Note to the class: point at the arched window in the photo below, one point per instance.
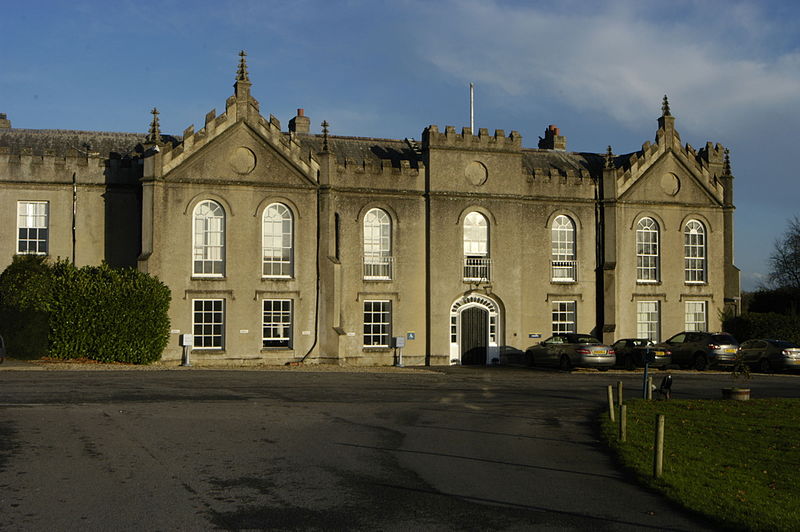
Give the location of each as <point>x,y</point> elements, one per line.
<point>694,252</point>
<point>277,241</point>
<point>477,264</point>
<point>563,263</point>
<point>208,242</point>
<point>647,258</point>
<point>377,245</point>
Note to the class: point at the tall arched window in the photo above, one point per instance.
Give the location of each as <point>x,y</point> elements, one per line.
<point>563,263</point>
<point>277,241</point>
<point>647,258</point>
<point>377,245</point>
<point>208,241</point>
<point>477,264</point>
<point>694,252</point>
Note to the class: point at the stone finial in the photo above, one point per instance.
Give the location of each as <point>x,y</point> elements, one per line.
<point>726,165</point>
<point>609,158</point>
<point>665,107</point>
<point>154,136</point>
<point>325,135</point>
<point>241,72</point>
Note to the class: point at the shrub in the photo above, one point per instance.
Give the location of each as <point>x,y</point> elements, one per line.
<point>763,325</point>
<point>96,312</point>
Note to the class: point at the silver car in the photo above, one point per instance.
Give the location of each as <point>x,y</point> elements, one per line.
<point>568,350</point>
<point>770,355</point>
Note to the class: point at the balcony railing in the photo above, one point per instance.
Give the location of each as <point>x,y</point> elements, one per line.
<point>477,269</point>
<point>378,268</point>
<point>563,271</point>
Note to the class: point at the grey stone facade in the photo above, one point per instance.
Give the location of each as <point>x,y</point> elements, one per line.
<point>283,245</point>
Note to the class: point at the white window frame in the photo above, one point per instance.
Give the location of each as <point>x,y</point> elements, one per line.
<point>647,251</point>
<point>378,260</point>
<point>276,323</point>
<point>277,242</point>
<point>564,317</point>
<point>648,320</point>
<point>208,324</point>
<point>694,252</point>
<point>208,239</point>
<point>33,227</point>
<point>696,316</point>
<point>477,262</point>
<point>563,256</point>
<point>377,323</point>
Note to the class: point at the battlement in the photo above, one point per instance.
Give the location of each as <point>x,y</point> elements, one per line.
<point>379,167</point>
<point>73,158</point>
<point>565,175</point>
<point>433,138</point>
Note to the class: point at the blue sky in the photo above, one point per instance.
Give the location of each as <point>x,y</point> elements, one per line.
<point>388,69</point>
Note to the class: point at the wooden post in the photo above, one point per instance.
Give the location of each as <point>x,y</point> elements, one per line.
<point>650,388</point>
<point>623,423</point>
<point>619,393</point>
<point>658,459</point>
<point>611,403</point>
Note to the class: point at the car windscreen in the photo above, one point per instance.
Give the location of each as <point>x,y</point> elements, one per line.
<point>724,339</point>
<point>587,340</point>
<point>782,344</point>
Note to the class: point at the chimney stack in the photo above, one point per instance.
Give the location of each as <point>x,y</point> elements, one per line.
<point>300,123</point>
<point>5,123</point>
<point>553,139</point>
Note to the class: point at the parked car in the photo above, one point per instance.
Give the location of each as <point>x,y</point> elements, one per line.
<point>568,350</point>
<point>770,355</point>
<point>702,350</point>
<point>631,353</point>
<point>2,349</point>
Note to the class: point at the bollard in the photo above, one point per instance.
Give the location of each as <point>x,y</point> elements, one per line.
<point>611,403</point>
<point>658,458</point>
<point>649,388</point>
<point>619,393</point>
<point>185,358</point>
<point>623,423</point>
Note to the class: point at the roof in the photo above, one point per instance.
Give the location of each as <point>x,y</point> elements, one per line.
<point>62,141</point>
<point>363,149</point>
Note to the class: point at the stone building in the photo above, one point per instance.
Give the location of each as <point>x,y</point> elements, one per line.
<point>284,245</point>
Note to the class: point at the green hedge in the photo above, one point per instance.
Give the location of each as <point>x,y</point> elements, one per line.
<point>95,312</point>
<point>764,325</point>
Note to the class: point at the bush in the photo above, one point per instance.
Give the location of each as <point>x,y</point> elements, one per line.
<point>95,312</point>
<point>763,325</point>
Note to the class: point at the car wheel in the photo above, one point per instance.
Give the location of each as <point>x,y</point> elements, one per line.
<point>629,364</point>
<point>764,366</point>
<point>700,362</point>
<point>564,364</point>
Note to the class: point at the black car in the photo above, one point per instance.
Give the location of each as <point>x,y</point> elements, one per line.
<point>631,353</point>
<point>770,355</point>
<point>702,350</point>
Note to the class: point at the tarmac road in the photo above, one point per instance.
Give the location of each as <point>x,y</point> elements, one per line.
<point>199,449</point>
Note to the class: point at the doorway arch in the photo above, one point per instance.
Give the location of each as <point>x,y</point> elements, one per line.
<point>474,329</point>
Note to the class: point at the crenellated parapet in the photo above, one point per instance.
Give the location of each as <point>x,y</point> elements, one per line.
<point>380,167</point>
<point>433,138</point>
<point>573,176</point>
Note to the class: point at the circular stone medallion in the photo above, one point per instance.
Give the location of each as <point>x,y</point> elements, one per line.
<point>476,173</point>
<point>670,184</point>
<point>242,160</point>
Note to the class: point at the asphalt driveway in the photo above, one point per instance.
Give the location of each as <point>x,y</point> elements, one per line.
<point>446,449</point>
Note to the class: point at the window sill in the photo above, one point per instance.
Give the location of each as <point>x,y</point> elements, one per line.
<point>277,278</point>
<point>208,278</point>
<point>563,281</point>
<point>277,349</point>
<point>207,351</point>
<point>646,283</point>
<point>377,349</point>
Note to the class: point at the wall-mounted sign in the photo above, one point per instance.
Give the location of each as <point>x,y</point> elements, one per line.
<point>411,335</point>
<point>534,335</point>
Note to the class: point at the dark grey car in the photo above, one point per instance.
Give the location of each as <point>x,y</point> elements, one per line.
<point>631,353</point>
<point>770,355</point>
<point>568,350</point>
<point>702,350</point>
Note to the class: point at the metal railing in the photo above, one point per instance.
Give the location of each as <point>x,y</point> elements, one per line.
<point>563,271</point>
<point>378,268</point>
<point>477,269</point>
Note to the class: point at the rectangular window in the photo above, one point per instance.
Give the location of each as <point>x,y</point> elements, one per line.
<point>696,316</point>
<point>208,323</point>
<point>277,323</point>
<point>377,323</point>
<point>564,317</point>
<point>32,227</point>
<point>648,320</point>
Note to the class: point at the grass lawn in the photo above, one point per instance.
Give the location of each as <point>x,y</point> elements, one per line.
<point>737,462</point>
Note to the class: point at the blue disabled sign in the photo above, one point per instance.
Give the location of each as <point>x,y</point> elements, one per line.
<point>534,335</point>
<point>411,335</point>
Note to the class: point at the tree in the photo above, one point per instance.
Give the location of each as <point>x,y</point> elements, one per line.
<point>785,259</point>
